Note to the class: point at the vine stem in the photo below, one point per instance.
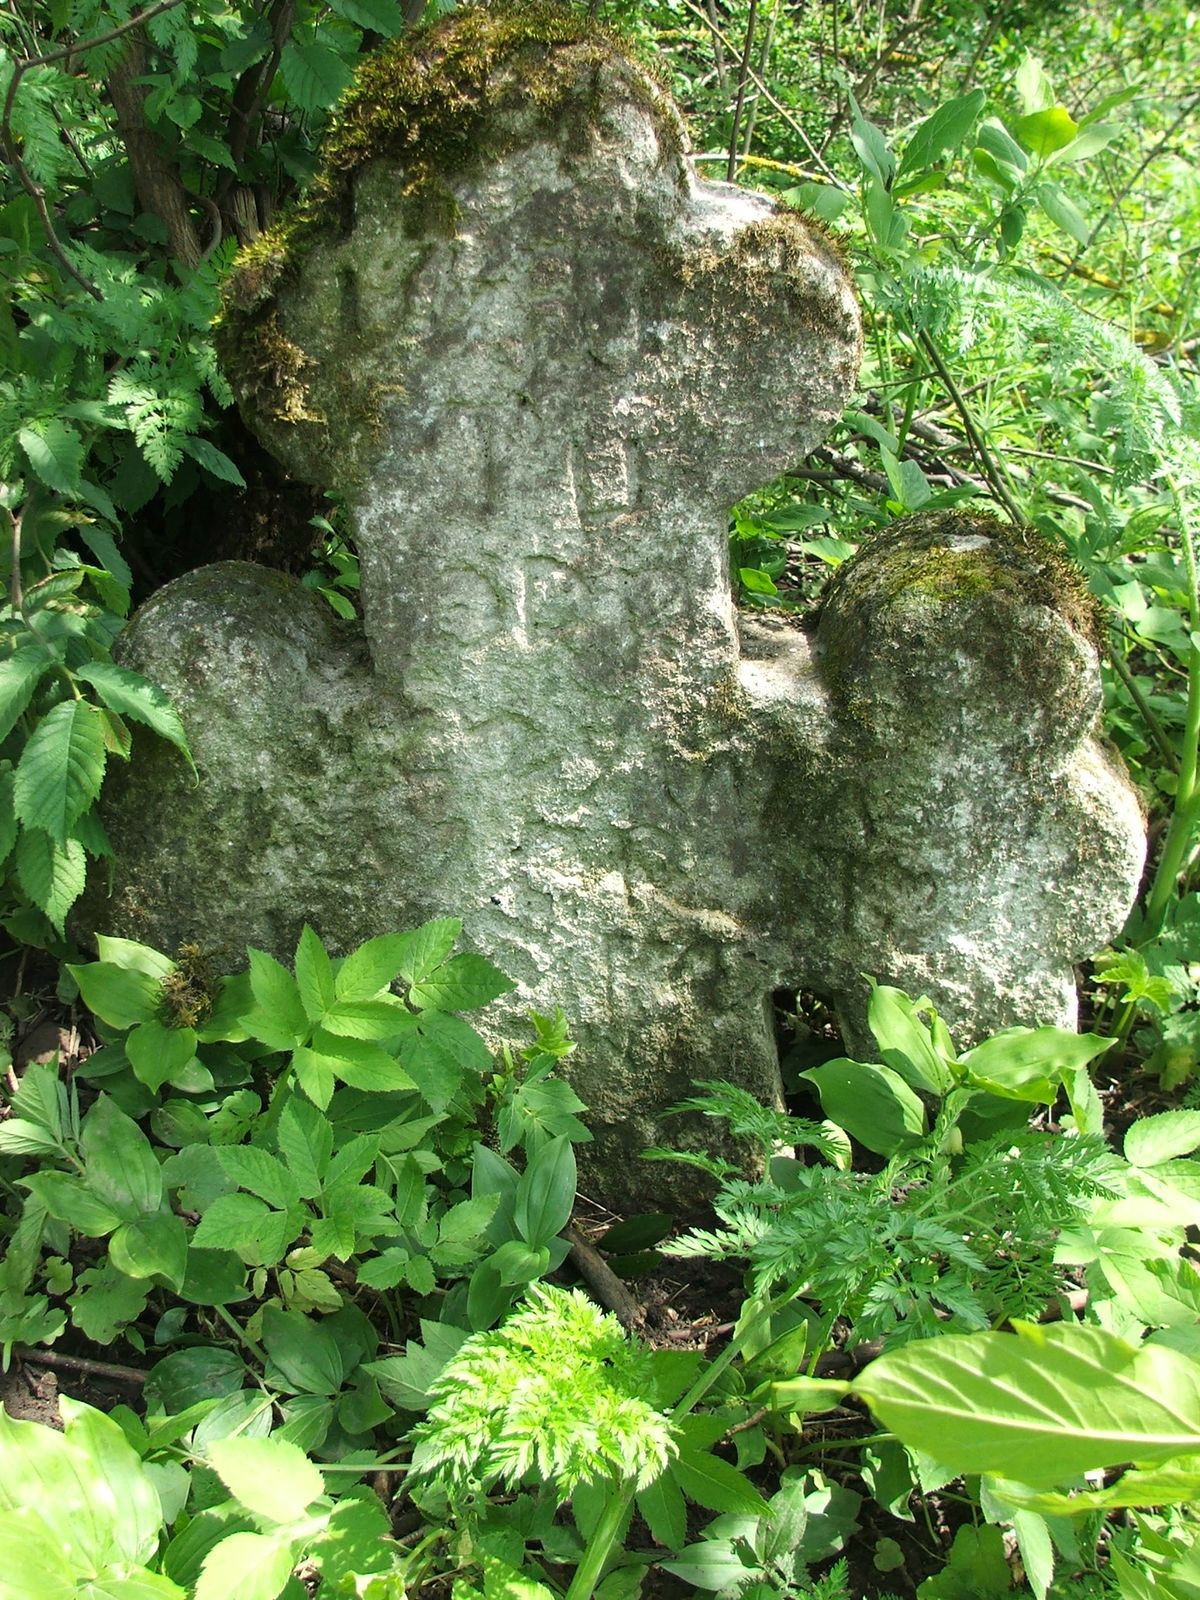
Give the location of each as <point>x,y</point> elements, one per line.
<point>255,1349</point>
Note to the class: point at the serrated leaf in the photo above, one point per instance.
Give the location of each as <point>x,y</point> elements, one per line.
<point>313,75</point>
<point>305,1142</point>
<point>370,968</point>
<point>253,1566</point>
<point>1153,1140</point>
<point>715,1484</point>
<point>261,1173</point>
<point>379,16</point>
<point>52,878</point>
<point>131,695</point>
<point>20,674</point>
<point>279,1019</point>
<point>461,984</point>
<point>270,1477</point>
<point>314,975</point>
<point>213,460</point>
<point>60,770</point>
<point>55,452</point>
<point>426,947</point>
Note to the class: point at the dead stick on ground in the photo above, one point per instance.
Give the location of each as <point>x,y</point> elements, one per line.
<point>601,1279</point>
<point>80,1364</point>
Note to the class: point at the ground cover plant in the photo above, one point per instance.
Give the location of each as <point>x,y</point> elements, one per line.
<point>330,1231</point>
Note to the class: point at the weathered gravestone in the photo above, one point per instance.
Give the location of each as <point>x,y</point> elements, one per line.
<point>541,360</point>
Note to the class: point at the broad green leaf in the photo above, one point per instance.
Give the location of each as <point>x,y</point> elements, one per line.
<point>1027,1063</point>
<point>873,1104</point>
<point>1153,1140</point>
<point>188,1377</point>
<point>61,769</point>
<point>252,1566</point>
<point>53,878</point>
<point>131,695</point>
<point>711,1564</point>
<point>1033,86</point>
<point>460,984</point>
<point>151,1246</point>
<point>516,1262</point>
<point>1176,1482</point>
<point>371,967</point>
<point>1063,212</point>
<point>380,16</point>
<point>1044,132</point>
<point>136,957</point>
<point>118,995</point>
<point>905,1043</point>
<point>158,1054</point>
<point>119,1160</point>
<point>314,975</point>
<point>20,674</point>
<point>270,1477</point>
<point>1088,141</point>
<point>212,459</point>
<point>55,452</point>
<point>1040,1406</point>
<point>802,1394</point>
<point>8,816</point>
<point>70,1200</point>
<point>85,1487</point>
<point>942,132</point>
<point>279,1019</point>
<point>306,1354</point>
<point>546,1193</point>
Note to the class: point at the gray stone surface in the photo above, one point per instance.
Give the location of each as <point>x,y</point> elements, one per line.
<point>549,724</point>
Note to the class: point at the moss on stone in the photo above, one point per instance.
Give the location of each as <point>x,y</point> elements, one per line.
<point>947,559</point>
<point>439,101</point>
<point>765,257</point>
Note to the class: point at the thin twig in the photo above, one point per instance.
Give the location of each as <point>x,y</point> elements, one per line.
<point>796,126</point>
<point>744,72</point>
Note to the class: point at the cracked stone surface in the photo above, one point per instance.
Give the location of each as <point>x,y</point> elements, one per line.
<point>550,722</point>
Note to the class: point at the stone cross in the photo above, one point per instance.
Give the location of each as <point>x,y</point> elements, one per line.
<point>540,359</point>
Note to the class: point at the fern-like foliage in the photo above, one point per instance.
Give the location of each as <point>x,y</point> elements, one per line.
<point>930,1244</point>
<point>556,1391</point>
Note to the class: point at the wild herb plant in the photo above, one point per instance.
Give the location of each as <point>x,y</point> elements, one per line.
<point>261,1182</point>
